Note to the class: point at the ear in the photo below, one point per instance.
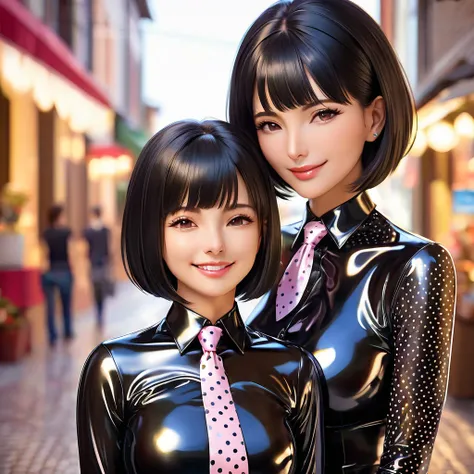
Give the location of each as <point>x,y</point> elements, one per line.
<point>375,118</point>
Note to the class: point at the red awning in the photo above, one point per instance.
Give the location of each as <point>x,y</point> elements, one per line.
<point>21,28</point>
<point>113,151</point>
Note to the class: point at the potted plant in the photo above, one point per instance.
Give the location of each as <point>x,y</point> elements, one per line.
<point>12,242</point>
<point>14,332</point>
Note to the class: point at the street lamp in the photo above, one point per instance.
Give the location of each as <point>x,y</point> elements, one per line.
<point>441,136</point>
<point>464,125</point>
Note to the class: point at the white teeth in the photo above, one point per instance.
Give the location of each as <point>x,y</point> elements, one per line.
<point>211,268</point>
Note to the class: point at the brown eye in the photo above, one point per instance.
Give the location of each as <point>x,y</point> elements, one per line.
<point>326,114</point>
<point>182,223</point>
<point>240,220</point>
<point>268,126</point>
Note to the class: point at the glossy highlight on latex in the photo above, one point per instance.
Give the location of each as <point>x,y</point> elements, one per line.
<point>140,406</point>
<point>377,314</point>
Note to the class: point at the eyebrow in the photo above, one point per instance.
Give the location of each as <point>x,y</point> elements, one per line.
<point>271,113</point>
<point>197,210</point>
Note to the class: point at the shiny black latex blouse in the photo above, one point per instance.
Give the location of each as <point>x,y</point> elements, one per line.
<point>378,314</point>
<point>140,406</point>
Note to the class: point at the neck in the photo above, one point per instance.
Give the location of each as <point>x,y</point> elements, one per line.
<point>96,222</point>
<point>212,308</point>
<point>337,195</point>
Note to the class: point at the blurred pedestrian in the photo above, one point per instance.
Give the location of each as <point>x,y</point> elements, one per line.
<point>59,275</point>
<point>98,236</point>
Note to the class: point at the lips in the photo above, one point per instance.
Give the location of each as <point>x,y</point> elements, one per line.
<point>302,169</point>
<point>306,172</point>
<point>213,266</point>
<point>214,269</point>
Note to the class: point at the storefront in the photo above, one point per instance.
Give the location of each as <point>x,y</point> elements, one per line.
<point>445,146</point>
<point>49,105</point>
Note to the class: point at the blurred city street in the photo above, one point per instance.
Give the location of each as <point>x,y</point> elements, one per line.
<point>38,396</point>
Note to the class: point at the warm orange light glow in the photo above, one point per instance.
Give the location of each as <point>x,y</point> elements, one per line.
<point>441,136</point>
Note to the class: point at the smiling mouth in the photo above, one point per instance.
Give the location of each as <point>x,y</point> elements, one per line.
<point>213,267</point>
<point>305,169</point>
<point>305,173</point>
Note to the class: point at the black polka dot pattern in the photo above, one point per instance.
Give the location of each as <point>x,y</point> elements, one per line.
<point>422,322</point>
<point>227,453</point>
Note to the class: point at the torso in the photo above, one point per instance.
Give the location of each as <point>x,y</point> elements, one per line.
<point>56,239</point>
<point>345,320</point>
<point>158,405</point>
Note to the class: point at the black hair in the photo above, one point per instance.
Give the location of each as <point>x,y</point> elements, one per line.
<point>195,164</point>
<point>96,211</point>
<point>346,53</point>
<point>54,213</point>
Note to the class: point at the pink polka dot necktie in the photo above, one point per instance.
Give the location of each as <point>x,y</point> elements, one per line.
<point>227,453</point>
<point>296,276</point>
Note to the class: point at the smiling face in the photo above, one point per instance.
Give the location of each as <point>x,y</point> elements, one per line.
<point>210,251</point>
<point>317,148</point>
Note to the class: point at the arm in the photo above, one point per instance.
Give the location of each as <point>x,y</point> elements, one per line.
<point>75,252</point>
<point>307,420</point>
<point>422,319</point>
<point>43,256</point>
<point>108,245</point>
<point>99,415</point>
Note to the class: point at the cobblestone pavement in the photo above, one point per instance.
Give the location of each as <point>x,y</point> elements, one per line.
<point>38,398</point>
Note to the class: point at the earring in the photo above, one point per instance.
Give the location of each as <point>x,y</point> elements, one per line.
<point>376,134</point>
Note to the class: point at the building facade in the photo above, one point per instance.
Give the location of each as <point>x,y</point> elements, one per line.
<point>69,71</point>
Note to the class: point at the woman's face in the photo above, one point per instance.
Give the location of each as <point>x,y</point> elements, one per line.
<point>210,251</point>
<point>61,221</point>
<point>316,149</point>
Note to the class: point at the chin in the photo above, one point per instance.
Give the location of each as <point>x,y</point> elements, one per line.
<point>216,291</point>
<point>311,189</point>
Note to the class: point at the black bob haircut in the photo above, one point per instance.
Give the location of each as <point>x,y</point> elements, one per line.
<point>195,164</point>
<point>346,53</point>
<point>54,213</point>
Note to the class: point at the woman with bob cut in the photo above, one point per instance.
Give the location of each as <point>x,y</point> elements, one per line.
<point>318,87</point>
<point>199,392</point>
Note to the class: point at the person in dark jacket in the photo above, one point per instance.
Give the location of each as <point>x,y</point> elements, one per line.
<point>97,236</point>
<point>59,275</point>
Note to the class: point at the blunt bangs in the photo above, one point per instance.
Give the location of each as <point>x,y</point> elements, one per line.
<point>284,61</point>
<point>203,176</point>
<point>345,52</point>
<point>195,165</point>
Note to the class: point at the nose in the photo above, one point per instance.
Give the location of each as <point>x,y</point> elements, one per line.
<point>214,242</point>
<point>296,144</point>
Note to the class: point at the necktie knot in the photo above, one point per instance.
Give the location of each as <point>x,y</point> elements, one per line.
<point>209,338</point>
<point>314,232</point>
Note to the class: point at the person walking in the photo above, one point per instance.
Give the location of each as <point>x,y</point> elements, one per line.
<point>58,275</point>
<point>97,236</point>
